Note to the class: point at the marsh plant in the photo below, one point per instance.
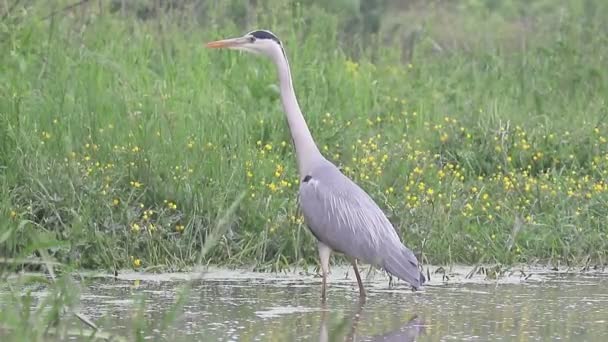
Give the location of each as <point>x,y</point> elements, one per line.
<point>122,138</point>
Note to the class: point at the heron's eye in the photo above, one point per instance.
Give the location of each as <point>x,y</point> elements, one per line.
<point>252,39</point>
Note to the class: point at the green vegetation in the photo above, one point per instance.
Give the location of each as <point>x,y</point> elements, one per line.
<point>482,132</point>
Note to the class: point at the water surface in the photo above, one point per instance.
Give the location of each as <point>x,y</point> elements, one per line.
<point>245,306</point>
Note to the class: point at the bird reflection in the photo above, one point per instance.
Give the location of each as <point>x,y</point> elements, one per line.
<point>347,327</point>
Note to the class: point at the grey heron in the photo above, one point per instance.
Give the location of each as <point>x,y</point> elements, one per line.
<point>341,215</point>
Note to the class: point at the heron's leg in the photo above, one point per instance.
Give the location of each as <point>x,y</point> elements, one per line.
<point>361,289</point>
<point>324,254</point>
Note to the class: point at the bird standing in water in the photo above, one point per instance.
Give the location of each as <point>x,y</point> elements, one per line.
<point>342,217</point>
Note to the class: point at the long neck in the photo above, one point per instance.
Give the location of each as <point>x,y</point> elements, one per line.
<point>306,149</point>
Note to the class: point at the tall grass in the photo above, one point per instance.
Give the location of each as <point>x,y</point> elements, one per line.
<point>122,137</point>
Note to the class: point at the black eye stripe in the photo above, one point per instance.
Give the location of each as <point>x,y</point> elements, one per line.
<point>262,34</point>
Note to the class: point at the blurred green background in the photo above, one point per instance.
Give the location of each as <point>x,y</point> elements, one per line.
<point>479,126</point>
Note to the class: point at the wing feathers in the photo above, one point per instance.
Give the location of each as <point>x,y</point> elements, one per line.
<point>342,216</point>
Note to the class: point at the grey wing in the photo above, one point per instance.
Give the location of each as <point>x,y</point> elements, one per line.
<point>342,216</point>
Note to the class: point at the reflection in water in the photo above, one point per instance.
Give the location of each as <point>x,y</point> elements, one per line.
<point>243,306</point>
<point>405,333</point>
<point>408,332</point>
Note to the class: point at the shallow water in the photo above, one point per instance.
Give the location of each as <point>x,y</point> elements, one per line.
<point>245,306</point>
<point>231,305</point>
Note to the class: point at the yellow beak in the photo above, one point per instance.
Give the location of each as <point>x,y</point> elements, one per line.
<point>226,43</point>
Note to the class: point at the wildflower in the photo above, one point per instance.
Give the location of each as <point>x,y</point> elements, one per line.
<point>351,67</point>
<point>172,205</point>
<point>179,228</point>
<point>115,202</point>
<point>13,214</point>
<point>278,171</point>
<point>136,184</point>
<point>136,262</point>
<point>135,227</point>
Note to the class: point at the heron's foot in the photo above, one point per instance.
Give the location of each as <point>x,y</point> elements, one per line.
<point>359,281</point>
<point>324,290</point>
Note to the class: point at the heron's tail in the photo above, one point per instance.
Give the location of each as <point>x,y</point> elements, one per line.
<point>402,263</point>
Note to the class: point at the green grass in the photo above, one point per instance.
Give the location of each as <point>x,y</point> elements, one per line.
<point>122,139</point>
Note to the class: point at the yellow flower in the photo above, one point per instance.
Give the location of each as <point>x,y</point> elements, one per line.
<point>136,184</point>
<point>136,262</point>
<point>179,228</point>
<point>135,227</point>
<point>278,171</point>
<point>351,67</point>
<point>13,214</point>
<point>115,202</point>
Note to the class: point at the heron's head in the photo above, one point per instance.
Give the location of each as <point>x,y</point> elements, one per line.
<point>259,42</point>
